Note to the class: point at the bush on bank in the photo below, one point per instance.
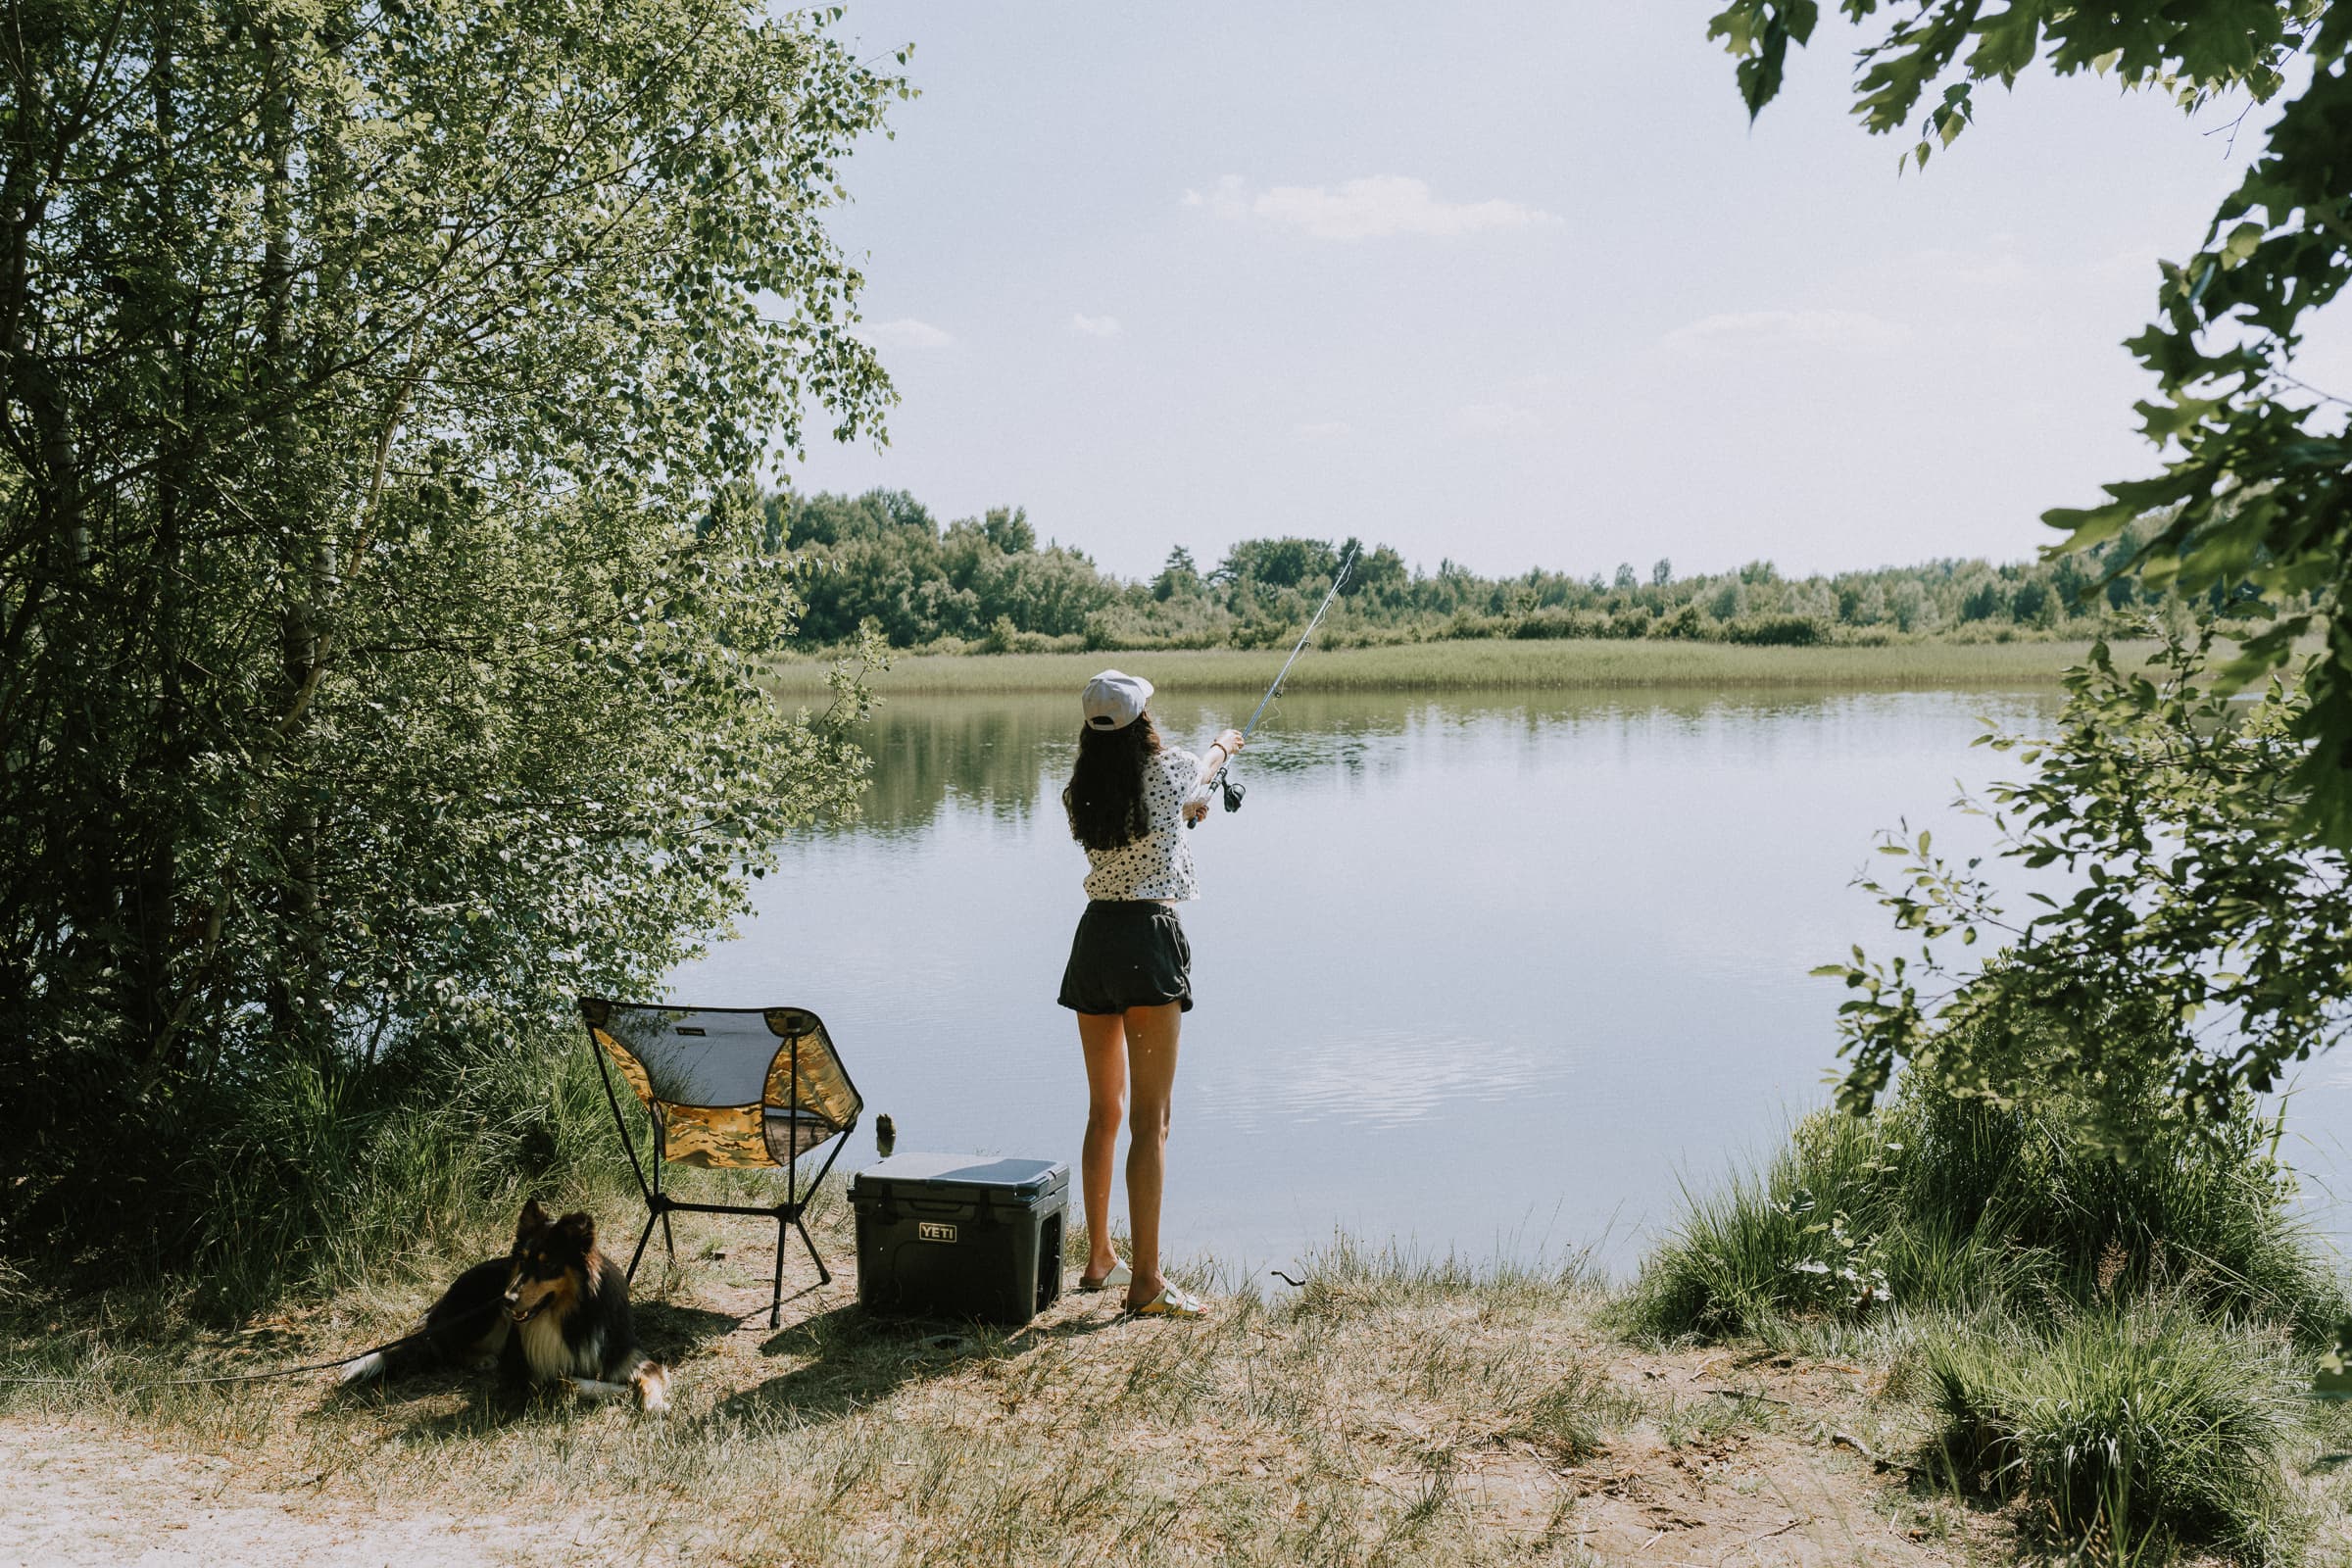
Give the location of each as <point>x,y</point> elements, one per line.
<point>1946,1200</point>
<point>2117,1332</point>
<point>313,1179</point>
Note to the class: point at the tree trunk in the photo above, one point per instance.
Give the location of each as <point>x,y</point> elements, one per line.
<point>297,999</point>
<point>155,916</point>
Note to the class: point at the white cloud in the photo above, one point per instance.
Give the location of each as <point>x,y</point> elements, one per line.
<point>1843,331</point>
<point>907,333</point>
<point>1372,208</point>
<point>1324,430</point>
<point>1495,419</point>
<point>1096,325</point>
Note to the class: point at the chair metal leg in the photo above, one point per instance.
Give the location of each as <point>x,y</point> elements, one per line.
<point>669,1239</point>
<point>824,1275</point>
<point>644,1235</point>
<point>775,1303</point>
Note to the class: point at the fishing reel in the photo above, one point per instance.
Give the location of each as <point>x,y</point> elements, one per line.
<point>1228,787</point>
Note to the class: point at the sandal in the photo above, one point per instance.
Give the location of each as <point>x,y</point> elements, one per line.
<point>1170,1302</point>
<point>1118,1275</point>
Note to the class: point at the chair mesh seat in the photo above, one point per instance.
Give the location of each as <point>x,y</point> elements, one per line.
<point>728,1085</point>
<point>729,1088</point>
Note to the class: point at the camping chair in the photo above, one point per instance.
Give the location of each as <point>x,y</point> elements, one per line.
<point>730,1087</point>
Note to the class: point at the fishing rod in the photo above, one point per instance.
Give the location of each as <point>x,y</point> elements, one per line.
<point>1233,792</point>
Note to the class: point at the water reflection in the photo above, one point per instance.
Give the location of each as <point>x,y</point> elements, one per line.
<point>1003,754</point>
<point>1475,973</point>
<point>984,754</point>
<point>1390,1079</point>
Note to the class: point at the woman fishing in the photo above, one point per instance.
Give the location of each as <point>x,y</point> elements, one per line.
<point>1128,980</point>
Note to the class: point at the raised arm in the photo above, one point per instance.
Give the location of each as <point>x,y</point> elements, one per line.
<point>1221,750</point>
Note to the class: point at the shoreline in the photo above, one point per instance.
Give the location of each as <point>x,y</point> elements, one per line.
<point>1389,1408</point>
<point>1493,665</point>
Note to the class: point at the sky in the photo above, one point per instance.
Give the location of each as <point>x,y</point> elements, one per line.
<point>1506,283</point>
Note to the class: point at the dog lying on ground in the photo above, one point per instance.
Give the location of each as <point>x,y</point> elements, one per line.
<point>554,1310</point>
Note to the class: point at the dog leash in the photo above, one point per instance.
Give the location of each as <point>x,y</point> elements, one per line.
<point>264,1377</point>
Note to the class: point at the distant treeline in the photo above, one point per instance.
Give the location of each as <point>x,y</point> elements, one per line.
<point>985,584</point>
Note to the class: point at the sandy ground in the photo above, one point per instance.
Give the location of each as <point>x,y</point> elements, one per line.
<point>76,1497</point>
<point>1220,1444</point>
<point>86,1492</point>
<point>80,1496</point>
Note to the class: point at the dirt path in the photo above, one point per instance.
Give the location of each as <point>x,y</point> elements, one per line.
<point>79,1497</point>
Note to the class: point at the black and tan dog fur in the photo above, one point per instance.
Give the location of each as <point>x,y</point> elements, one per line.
<point>554,1310</point>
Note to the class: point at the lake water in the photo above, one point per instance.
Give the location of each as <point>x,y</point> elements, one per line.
<point>1495,974</point>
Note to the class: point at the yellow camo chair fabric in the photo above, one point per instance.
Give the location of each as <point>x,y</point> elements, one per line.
<point>730,1089</point>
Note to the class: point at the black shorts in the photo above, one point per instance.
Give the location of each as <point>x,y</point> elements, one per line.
<point>1129,952</point>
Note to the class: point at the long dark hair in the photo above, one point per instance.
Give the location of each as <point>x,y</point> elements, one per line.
<point>1106,793</point>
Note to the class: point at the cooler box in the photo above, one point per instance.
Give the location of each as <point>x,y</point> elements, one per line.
<point>960,1235</point>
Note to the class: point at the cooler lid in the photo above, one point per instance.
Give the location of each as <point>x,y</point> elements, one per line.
<point>978,1175</point>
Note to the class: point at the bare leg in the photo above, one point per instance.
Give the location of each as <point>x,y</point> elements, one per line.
<point>1104,1036</point>
<point>1151,1063</point>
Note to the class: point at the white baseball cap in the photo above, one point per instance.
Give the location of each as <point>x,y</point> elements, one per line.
<point>1113,699</point>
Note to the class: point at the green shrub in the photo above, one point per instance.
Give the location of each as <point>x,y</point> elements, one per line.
<point>1774,1242</point>
<point>1944,1199</point>
<point>1554,620</point>
<point>312,1178</point>
<point>2126,1422</point>
<point>1777,631</point>
<point>1548,622</point>
<point>1690,622</point>
<point>2113,1188</point>
<point>1467,625</point>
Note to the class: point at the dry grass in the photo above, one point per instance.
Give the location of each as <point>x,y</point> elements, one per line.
<point>1486,665</point>
<point>1388,1412</point>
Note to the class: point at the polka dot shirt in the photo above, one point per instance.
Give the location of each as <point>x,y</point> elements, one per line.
<point>1160,864</point>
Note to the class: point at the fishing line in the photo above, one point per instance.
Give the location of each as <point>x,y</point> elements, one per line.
<point>1232,791</point>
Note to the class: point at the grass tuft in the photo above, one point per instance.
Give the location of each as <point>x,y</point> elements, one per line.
<point>2131,1426</point>
<point>1572,1419</point>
